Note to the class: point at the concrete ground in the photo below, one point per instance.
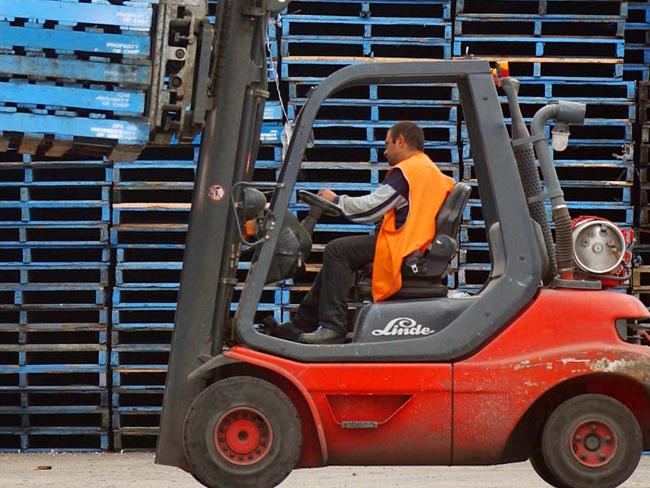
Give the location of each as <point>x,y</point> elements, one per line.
<point>137,470</point>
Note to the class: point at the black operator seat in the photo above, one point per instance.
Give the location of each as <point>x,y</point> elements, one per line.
<point>424,274</point>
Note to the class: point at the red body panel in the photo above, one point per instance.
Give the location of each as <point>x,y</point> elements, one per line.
<point>564,334</point>
<point>402,413</point>
<point>405,408</point>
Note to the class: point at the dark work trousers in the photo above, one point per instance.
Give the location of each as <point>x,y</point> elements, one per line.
<point>327,301</point>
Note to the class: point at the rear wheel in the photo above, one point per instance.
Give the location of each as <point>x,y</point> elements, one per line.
<point>591,441</point>
<point>242,432</point>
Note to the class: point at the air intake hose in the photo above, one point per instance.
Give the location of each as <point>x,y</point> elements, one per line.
<point>569,113</point>
<point>525,156</point>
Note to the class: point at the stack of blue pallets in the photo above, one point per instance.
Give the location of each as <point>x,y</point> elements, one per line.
<point>151,204</point>
<point>637,42</point>
<point>545,38</point>
<point>319,37</point>
<point>349,133</point>
<point>53,312</point>
<point>553,63</point>
<point>74,73</point>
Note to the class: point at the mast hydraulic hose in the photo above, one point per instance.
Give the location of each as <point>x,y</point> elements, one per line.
<point>570,113</point>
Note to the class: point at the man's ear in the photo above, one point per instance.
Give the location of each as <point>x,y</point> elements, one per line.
<point>400,141</point>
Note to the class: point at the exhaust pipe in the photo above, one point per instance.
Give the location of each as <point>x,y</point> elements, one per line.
<point>565,113</point>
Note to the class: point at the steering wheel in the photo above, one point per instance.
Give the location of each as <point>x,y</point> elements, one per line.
<point>326,206</point>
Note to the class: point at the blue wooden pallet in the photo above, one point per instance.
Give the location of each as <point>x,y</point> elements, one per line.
<point>49,439</point>
<point>70,126</point>
<point>365,8</point>
<point>125,75</point>
<point>543,7</point>
<point>377,111</point>
<point>55,173</point>
<point>26,358</point>
<point>35,37</point>
<point>67,99</point>
<point>45,233</point>
<point>25,269</point>
<point>442,93</point>
<point>58,256</point>
<point>317,68</point>
<point>578,47</point>
<point>366,23</point>
<point>27,411</point>
<point>77,375</point>
<point>60,415</point>
<point>61,296</point>
<point>371,34</point>
<point>130,16</point>
<point>89,317</point>
<point>592,90</point>
<point>570,68</point>
<point>537,24</point>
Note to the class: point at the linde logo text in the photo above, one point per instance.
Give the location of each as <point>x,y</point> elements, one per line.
<point>403,326</point>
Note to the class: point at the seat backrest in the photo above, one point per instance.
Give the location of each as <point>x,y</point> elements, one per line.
<point>451,213</point>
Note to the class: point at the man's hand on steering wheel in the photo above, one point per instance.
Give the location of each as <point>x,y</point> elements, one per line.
<point>327,194</point>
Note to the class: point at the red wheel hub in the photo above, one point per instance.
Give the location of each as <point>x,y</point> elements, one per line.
<point>593,443</point>
<point>243,436</point>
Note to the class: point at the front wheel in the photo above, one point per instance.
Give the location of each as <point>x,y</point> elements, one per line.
<point>591,441</point>
<point>242,432</point>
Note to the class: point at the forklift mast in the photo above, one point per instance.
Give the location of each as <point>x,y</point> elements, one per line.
<point>236,90</point>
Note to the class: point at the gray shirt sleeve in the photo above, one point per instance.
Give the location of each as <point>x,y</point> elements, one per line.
<point>370,208</point>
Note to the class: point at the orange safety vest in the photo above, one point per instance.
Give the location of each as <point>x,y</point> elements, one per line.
<point>428,188</point>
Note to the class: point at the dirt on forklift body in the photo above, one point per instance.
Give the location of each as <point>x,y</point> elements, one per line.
<point>542,364</point>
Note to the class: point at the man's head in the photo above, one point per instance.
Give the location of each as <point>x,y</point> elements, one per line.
<point>402,141</point>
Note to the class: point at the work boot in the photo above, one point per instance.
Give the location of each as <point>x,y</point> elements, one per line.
<point>286,331</point>
<point>322,335</point>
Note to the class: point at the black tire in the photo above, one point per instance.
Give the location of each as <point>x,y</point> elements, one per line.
<point>259,440</point>
<point>539,465</point>
<point>591,441</point>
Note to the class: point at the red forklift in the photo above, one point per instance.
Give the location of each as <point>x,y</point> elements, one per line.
<point>543,363</point>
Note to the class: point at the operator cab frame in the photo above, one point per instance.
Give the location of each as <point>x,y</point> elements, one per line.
<point>516,264</point>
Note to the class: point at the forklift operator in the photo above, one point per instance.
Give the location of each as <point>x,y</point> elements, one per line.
<point>408,199</point>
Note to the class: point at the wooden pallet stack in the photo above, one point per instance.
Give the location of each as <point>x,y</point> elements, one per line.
<point>75,74</point>
<point>559,50</point>
<point>54,307</point>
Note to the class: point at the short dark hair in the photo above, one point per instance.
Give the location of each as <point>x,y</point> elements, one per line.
<point>413,135</point>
